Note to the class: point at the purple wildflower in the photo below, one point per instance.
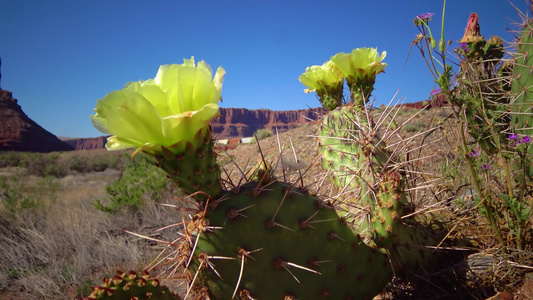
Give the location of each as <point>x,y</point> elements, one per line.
<point>435,92</point>
<point>425,17</point>
<point>485,167</point>
<point>464,47</point>
<point>526,140</point>
<point>513,136</point>
<point>474,153</point>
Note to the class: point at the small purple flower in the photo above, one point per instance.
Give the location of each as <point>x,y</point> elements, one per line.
<point>485,167</point>
<point>426,16</point>
<point>435,92</point>
<point>464,47</point>
<point>526,140</point>
<point>474,153</point>
<point>513,136</point>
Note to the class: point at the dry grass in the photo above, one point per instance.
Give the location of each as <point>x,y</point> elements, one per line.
<point>52,252</point>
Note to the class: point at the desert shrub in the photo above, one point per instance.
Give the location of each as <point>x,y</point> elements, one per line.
<point>12,198</point>
<point>17,198</point>
<point>93,163</point>
<point>99,163</point>
<point>414,126</point>
<point>141,179</point>
<point>262,134</point>
<point>44,164</point>
<point>11,159</point>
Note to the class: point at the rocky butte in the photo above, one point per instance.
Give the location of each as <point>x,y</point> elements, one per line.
<point>242,122</point>
<point>20,133</point>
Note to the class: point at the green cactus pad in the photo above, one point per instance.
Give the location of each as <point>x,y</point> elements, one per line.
<point>337,143</point>
<point>387,210</point>
<point>195,171</point>
<point>279,242</point>
<point>131,286</point>
<point>330,102</point>
<point>345,146</point>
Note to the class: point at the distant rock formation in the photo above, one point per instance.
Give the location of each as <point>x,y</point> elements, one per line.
<point>438,101</point>
<point>20,133</point>
<point>242,122</point>
<point>86,143</point>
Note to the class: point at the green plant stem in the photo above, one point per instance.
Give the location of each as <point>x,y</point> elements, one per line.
<point>475,181</point>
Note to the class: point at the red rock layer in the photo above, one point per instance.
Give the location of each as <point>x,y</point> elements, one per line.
<point>20,133</point>
<point>242,122</point>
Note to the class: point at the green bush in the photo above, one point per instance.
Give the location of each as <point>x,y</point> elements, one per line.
<point>11,159</point>
<point>414,126</point>
<point>16,198</point>
<point>93,163</point>
<point>262,134</point>
<point>141,179</point>
<point>44,164</point>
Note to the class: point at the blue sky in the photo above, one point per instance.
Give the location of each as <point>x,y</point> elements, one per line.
<point>60,56</point>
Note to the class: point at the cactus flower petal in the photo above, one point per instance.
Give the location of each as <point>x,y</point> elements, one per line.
<point>322,78</point>
<point>166,111</point>
<point>362,64</point>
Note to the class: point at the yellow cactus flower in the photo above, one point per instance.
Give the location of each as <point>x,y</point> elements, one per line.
<point>321,79</point>
<point>327,81</point>
<point>169,111</point>
<point>360,67</point>
<point>362,64</point>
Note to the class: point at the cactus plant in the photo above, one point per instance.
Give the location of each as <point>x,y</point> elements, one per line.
<point>489,99</point>
<point>354,153</point>
<point>521,90</point>
<point>126,286</point>
<point>264,239</point>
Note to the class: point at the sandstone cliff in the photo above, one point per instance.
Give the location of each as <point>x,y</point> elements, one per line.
<point>241,122</point>
<point>20,133</point>
<point>86,143</point>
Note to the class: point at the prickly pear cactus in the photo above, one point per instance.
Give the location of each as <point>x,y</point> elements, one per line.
<point>276,241</point>
<point>126,286</point>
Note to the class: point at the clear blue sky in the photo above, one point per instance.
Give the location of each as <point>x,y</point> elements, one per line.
<point>60,56</point>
